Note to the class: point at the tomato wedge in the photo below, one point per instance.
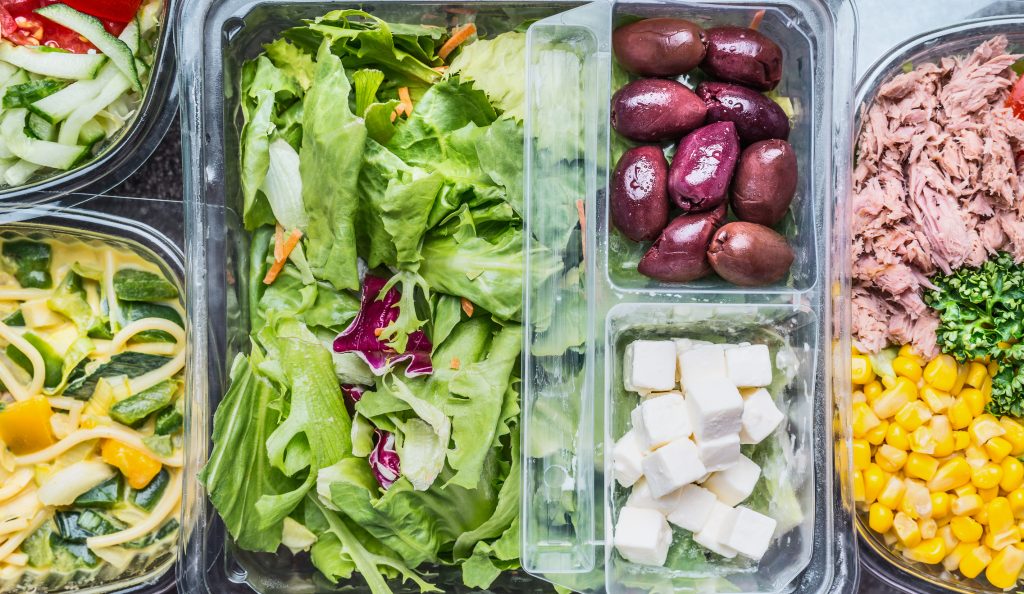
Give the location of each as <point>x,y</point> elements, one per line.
<point>21,25</point>
<point>1016,99</point>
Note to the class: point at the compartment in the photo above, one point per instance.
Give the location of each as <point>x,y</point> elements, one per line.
<point>83,222</point>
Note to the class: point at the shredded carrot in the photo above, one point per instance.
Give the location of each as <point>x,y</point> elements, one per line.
<point>459,36</point>
<point>278,242</point>
<point>406,100</point>
<point>756,21</point>
<point>456,363</point>
<point>581,211</point>
<point>394,115</point>
<point>467,306</point>
<point>281,256</point>
<point>441,69</point>
<point>378,331</point>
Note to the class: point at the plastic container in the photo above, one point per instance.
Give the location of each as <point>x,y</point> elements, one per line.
<point>92,219</point>
<point>123,155</point>
<point>572,399</point>
<point>955,39</point>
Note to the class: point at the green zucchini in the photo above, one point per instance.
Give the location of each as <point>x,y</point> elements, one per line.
<point>134,410</point>
<point>104,495</point>
<point>131,284</point>
<point>52,362</point>
<point>147,497</point>
<point>31,261</point>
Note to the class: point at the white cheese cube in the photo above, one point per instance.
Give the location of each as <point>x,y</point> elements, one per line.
<point>736,483</point>
<point>640,496</point>
<point>627,456</point>
<point>649,366</point>
<point>719,454</point>
<point>693,507</point>
<point>749,366</point>
<point>683,345</point>
<point>760,417</point>
<point>642,536</point>
<point>750,533</point>
<point>715,530</point>
<point>701,361</point>
<point>672,466</point>
<point>660,419</point>
<point>716,409</point>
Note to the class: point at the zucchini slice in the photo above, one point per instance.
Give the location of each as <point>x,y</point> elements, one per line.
<point>92,29</point>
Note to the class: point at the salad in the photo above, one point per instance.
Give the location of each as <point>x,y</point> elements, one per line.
<point>373,423</point>
<point>90,414</point>
<point>72,74</point>
<point>937,307</point>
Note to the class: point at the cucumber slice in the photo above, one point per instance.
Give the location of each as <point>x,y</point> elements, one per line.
<point>149,15</point>
<point>92,29</point>
<point>7,71</point>
<point>40,152</point>
<point>132,36</point>
<point>61,104</point>
<point>25,94</point>
<point>72,126</point>
<point>18,78</point>
<point>92,132</point>
<point>38,128</point>
<point>20,172</point>
<point>50,62</point>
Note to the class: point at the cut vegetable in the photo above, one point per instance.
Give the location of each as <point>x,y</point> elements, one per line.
<point>51,62</point>
<point>92,29</point>
<point>39,152</point>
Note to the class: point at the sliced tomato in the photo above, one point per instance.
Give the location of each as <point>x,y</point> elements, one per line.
<point>20,24</point>
<point>1016,99</point>
<point>120,11</point>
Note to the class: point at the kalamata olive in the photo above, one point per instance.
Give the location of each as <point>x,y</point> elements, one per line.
<point>765,182</point>
<point>750,255</point>
<point>756,117</point>
<point>702,167</point>
<point>681,252</point>
<point>744,56</point>
<point>639,193</point>
<point>659,47</point>
<point>654,109</point>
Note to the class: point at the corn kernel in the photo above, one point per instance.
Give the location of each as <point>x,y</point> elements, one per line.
<point>877,435</point>
<point>985,427</point>
<point>975,400</point>
<point>944,446</point>
<point>861,370</point>
<point>987,477</point>
<point>861,454</point>
<point>923,441</point>
<point>989,494</point>
<point>864,419</point>
<point>998,449</point>
<point>986,390</point>
<point>993,367</point>
<point>941,372</point>
<point>1000,516</point>
<point>921,466</point>
<point>966,529</point>
<point>967,505</point>
<point>940,505</point>
<point>1004,569</point>
<point>928,528</point>
<point>917,501</point>
<point>952,474</point>
<point>873,390</point>
<point>975,456</point>
<point>913,415</point>
<point>906,367</point>
<point>1013,474</point>
<point>889,458</point>
<point>961,379</point>
<point>908,352</point>
<point>982,516</point>
<point>858,486</point>
<point>880,518</point>
<point>907,530</point>
<point>1014,435</point>
<point>888,381</point>
<point>961,439</point>
<point>948,538</point>
<point>874,481</point>
<point>975,561</point>
<point>960,414</point>
<point>895,398</point>
<point>976,374</point>
<point>892,494</point>
<point>998,541</point>
<point>1016,499</point>
<point>897,437</point>
<point>952,560</point>
<point>937,400</point>
<point>930,551</point>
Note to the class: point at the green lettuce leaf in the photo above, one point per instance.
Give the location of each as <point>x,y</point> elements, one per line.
<point>498,68</point>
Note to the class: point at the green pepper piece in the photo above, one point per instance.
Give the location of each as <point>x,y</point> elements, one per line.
<point>52,362</point>
<point>16,319</point>
<point>147,497</point>
<point>104,495</point>
<point>31,262</point>
<point>131,284</point>
<point>134,410</point>
<point>169,421</point>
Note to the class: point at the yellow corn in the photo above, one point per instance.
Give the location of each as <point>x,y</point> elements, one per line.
<point>1005,567</point>
<point>998,541</point>
<point>960,414</point>
<point>975,400</point>
<point>940,505</point>
<point>923,441</point>
<point>948,538</point>
<point>921,466</point>
<point>913,415</point>
<point>874,481</point>
<point>944,446</point>
<point>907,530</point>
<point>952,560</point>
<point>966,529</point>
<point>1014,435</point>
<point>984,428</point>
<point>861,371</point>
<point>928,528</point>
<point>975,561</point>
<point>986,390</point>
<point>937,400</point>
<point>864,419</point>
<point>998,449</point>
<point>861,454</point>
<point>892,494</point>
<point>1013,474</point>
<point>961,439</point>
<point>952,474</point>
<point>989,494</point>
<point>908,352</point>
<point>976,374</point>
<point>987,477</point>
<point>897,437</point>
<point>930,551</point>
<point>961,379</point>
<point>967,505</point>
<point>975,456</point>
<point>1000,516</point>
<point>907,367</point>
<point>941,372</point>
<point>993,367</point>
<point>876,436</point>
<point>880,518</point>
<point>917,501</point>
<point>1016,499</point>
<point>967,489</point>
<point>889,458</point>
<point>858,486</point>
<point>888,381</point>
<point>873,390</point>
<point>895,398</point>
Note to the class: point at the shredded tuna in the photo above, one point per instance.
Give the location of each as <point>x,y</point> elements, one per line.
<point>937,186</point>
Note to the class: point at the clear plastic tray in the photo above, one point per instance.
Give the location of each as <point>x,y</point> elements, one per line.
<point>99,220</point>
<point>960,35</point>
<point>123,155</point>
<point>572,413</point>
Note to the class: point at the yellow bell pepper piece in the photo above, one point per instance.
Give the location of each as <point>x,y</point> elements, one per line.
<point>25,426</point>
<point>138,468</point>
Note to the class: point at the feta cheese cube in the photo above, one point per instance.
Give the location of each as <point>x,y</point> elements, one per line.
<point>660,419</point>
<point>715,530</point>
<point>760,417</point>
<point>716,409</point>
<point>750,533</point>
<point>703,360</point>
<point>640,496</point>
<point>672,466</point>
<point>627,456</point>
<point>649,366</point>
<point>736,483</point>
<point>719,454</point>
<point>685,344</point>
<point>642,536</point>
<point>693,506</point>
<point>749,366</point>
